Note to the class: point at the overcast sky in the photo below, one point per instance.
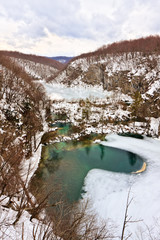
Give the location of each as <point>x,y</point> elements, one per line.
<point>72,27</point>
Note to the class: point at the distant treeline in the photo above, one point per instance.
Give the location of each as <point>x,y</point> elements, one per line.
<point>146,45</point>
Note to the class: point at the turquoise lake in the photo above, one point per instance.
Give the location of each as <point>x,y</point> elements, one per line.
<point>66,164</point>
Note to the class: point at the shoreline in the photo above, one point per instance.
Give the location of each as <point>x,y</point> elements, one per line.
<point>143,168</point>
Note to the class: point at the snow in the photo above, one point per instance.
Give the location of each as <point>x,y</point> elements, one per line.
<point>23,229</point>
<point>108,191</point>
<point>154,87</point>
<point>155,125</point>
<point>29,166</point>
<point>60,91</point>
<point>37,70</point>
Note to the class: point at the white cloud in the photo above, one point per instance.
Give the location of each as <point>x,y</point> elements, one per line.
<point>54,45</point>
<point>51,45</point>
<point>142,21</point>
<point>74,26</point>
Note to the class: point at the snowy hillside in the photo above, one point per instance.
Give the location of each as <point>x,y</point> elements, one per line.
<point>128,71</point>
<point>22,121</point>
<point>133,73</point>
<point>36,70</point>
<point>106,92</point>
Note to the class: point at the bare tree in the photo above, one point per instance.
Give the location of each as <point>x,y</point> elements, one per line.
<point>127,219</point>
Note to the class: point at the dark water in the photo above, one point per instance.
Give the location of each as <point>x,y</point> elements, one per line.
<point>67,164</point>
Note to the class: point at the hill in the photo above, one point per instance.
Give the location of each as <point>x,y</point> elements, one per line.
<point>34,58</point>
<point>126,79</point>
<point>150,44</point>
<point>37,67</point>
<point>128,66</point>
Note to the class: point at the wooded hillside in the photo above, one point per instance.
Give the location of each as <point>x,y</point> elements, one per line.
<point>146,45</point>
<point>34,58</point>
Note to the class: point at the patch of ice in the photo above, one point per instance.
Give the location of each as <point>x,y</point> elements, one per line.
<point>60,91</point>
<point>81,91</point>
<point>108,191</point>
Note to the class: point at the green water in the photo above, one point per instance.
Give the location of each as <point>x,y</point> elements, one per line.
<point>63,127</point>
<point>67,164</point>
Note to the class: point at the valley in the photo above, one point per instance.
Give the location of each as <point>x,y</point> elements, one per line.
<point>52,113</point>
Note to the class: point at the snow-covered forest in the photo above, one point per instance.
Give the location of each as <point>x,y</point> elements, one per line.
<point>111,92</point>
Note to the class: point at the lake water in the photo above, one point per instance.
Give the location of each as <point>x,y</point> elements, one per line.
<point>67,163</point>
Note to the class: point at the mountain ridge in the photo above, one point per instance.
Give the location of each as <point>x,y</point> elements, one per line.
<point>34,58</point>
<point>135,70</point>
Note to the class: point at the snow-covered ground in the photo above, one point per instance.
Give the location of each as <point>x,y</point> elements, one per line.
<point>108,191</point>
<point>24,228</point>
<point>37,70</point>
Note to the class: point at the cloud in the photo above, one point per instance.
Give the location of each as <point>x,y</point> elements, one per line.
<point>68,46</point>
<point>143,20</point>
<point>86,21</point>
<point>50,45</point>
<point>57,16</point>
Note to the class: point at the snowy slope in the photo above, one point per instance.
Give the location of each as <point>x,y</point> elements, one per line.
<point>107,191</point>
<point>36,70</point>
<point>136,70</point>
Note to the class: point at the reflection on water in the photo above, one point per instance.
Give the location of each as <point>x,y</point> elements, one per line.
<point>102,151</point>
<point>67,164</point>
<point>132,158</point>
<point>87,150</point>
